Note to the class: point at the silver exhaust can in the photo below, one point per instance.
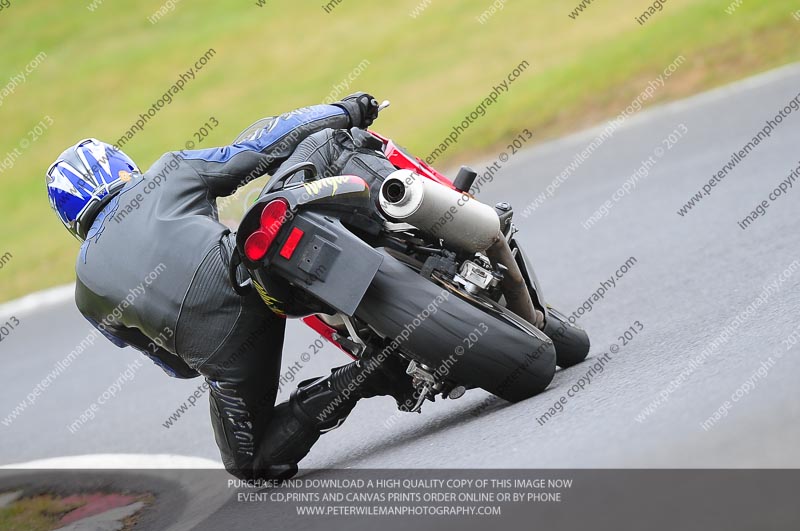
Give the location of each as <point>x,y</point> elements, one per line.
<point>457,218</point>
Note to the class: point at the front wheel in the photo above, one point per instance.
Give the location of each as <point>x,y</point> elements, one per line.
<point>571,342</point>
<point>466,343</point>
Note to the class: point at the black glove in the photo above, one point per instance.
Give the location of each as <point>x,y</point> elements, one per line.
<point>361,107</point>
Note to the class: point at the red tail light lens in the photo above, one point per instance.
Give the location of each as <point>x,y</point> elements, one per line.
<point>290,246</point>
<point>256,245</point>
<point>273,216</point>
<point>272,219</point>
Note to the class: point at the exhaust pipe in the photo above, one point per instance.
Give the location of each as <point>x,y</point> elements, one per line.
<point>457,218</point>
<point>462,222</point>
<point>515,290</point>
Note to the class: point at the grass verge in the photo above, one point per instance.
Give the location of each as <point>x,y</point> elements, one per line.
<point>106,65</point>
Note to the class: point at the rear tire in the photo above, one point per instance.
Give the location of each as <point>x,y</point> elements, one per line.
<point>511,360</point>
<point>571,342</point>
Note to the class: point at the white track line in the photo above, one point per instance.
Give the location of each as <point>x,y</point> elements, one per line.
<point>37,301</point>
<point>118,462</point>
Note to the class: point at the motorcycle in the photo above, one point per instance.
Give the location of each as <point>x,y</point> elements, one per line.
<point>434,277</point>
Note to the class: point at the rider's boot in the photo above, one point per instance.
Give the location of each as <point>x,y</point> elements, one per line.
<point>322,404</point>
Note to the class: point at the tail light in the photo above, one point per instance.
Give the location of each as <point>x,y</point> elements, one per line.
<point>272,219</point>
<point>290,246</point>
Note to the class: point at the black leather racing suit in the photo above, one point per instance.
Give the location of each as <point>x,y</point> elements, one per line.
<point>153,271</point>
<point>342,152</point>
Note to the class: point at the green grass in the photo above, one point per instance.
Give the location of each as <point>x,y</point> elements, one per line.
<point>105,67</point>
<point>39,513</point>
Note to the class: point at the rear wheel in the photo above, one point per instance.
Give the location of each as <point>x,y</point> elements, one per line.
<point>460,339</point>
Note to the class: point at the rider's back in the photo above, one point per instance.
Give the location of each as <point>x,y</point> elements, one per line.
<point>157,239</point>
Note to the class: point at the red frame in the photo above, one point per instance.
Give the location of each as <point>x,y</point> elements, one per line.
<point>402,161</point>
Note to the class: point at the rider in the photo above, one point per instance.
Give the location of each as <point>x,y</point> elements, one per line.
<point>152,273</point>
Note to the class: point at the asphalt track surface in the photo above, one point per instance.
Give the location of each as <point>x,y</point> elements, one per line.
<point>693,275</point>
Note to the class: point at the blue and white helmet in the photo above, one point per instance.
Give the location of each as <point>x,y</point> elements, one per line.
<point>82,177</point>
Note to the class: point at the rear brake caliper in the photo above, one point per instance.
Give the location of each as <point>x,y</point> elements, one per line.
<point>477,277</point>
